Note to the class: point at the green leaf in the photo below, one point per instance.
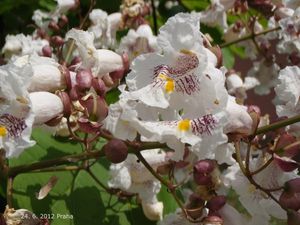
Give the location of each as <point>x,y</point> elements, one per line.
<point>112,96</point>
<point>77,198</point>
<point>170,205</point>
<point>196,5</point>
<point>228,58</point>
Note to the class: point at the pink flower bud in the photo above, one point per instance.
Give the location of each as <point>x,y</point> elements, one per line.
<point>205,166</point>
<point>97,110</point>
<point>117,75</point>
<point>57,41</point>
<point>290,201</point>
<point>62,21</point>
<point>99,86</point>
<point>84,79</point>
<point>47,51</point>
<point>116,150</point>
<point>292,186</point>
<point>53,26</point>
<point>202,179</point>
<point>75,60</point>
<point>216,203</point>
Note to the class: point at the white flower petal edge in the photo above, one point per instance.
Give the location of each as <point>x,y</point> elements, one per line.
<point>288,91</point>
<point>16,115</point>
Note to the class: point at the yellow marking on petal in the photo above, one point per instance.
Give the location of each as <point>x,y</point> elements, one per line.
<point>184,125</point>
<point>170,86</point>
<point>3,131</point>
<point>187,52</point>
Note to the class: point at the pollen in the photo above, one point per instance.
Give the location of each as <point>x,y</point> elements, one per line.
<point>184,125</point>
<point>3,131</point>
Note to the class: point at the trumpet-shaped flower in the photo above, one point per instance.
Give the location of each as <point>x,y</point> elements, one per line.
<point>101,61</point>
<point>138,42</point>
<point>16,116</point>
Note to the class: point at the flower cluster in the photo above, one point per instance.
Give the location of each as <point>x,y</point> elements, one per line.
<point>182,119</point>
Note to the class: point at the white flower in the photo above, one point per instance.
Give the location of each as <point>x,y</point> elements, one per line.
<point>46,106</point>
<point>293,4</point>
<point>239,120</point>
<point>204,134</point>
<point>138,42</point>
<point>64,5</point>
<point>176,218</point>
<point>101,61</point>
<point>104,28</point>
<point>288,91</point>
<point>290,28</point>
<point>216,13</point>
<point>182,76</point>
<point>236,86</point>
<point>132,176</point>
<point>266,73</point>
<point>22,45</point>
<point>256,202</point>
<point>41,18</point>
<point>16,115</point>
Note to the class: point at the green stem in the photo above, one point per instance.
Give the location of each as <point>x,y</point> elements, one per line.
<point>277,125</point>
<point>250,36</point>
<point>9,192</point>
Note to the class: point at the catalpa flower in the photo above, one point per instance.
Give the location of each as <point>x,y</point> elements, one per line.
<point>132,176</point>
<point>104,28</point>
<point>183,76</point>
<point>138,42</point>
<point>100,61</point>
<point>20,45</point>
<point>256,202</point>
<point>16,115</point>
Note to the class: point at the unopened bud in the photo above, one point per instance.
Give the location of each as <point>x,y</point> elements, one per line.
<point>202,179</point>
<point>53,26</point>
<point>97,108</point>
<point>213,220</point>
<point>116,151</point>
<point>99,86</point>
<point>204,166</point>
<point>62,21</point>
<point>57,41</point>
<point>216,203</point>
<point>84,79</point>
<point>117,75</point>
<point>292,186</point>
<point>47,51</point>
<point>195,213</point>
<point>290,201</point>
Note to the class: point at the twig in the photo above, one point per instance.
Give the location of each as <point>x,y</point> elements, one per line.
<point>250,36</point>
